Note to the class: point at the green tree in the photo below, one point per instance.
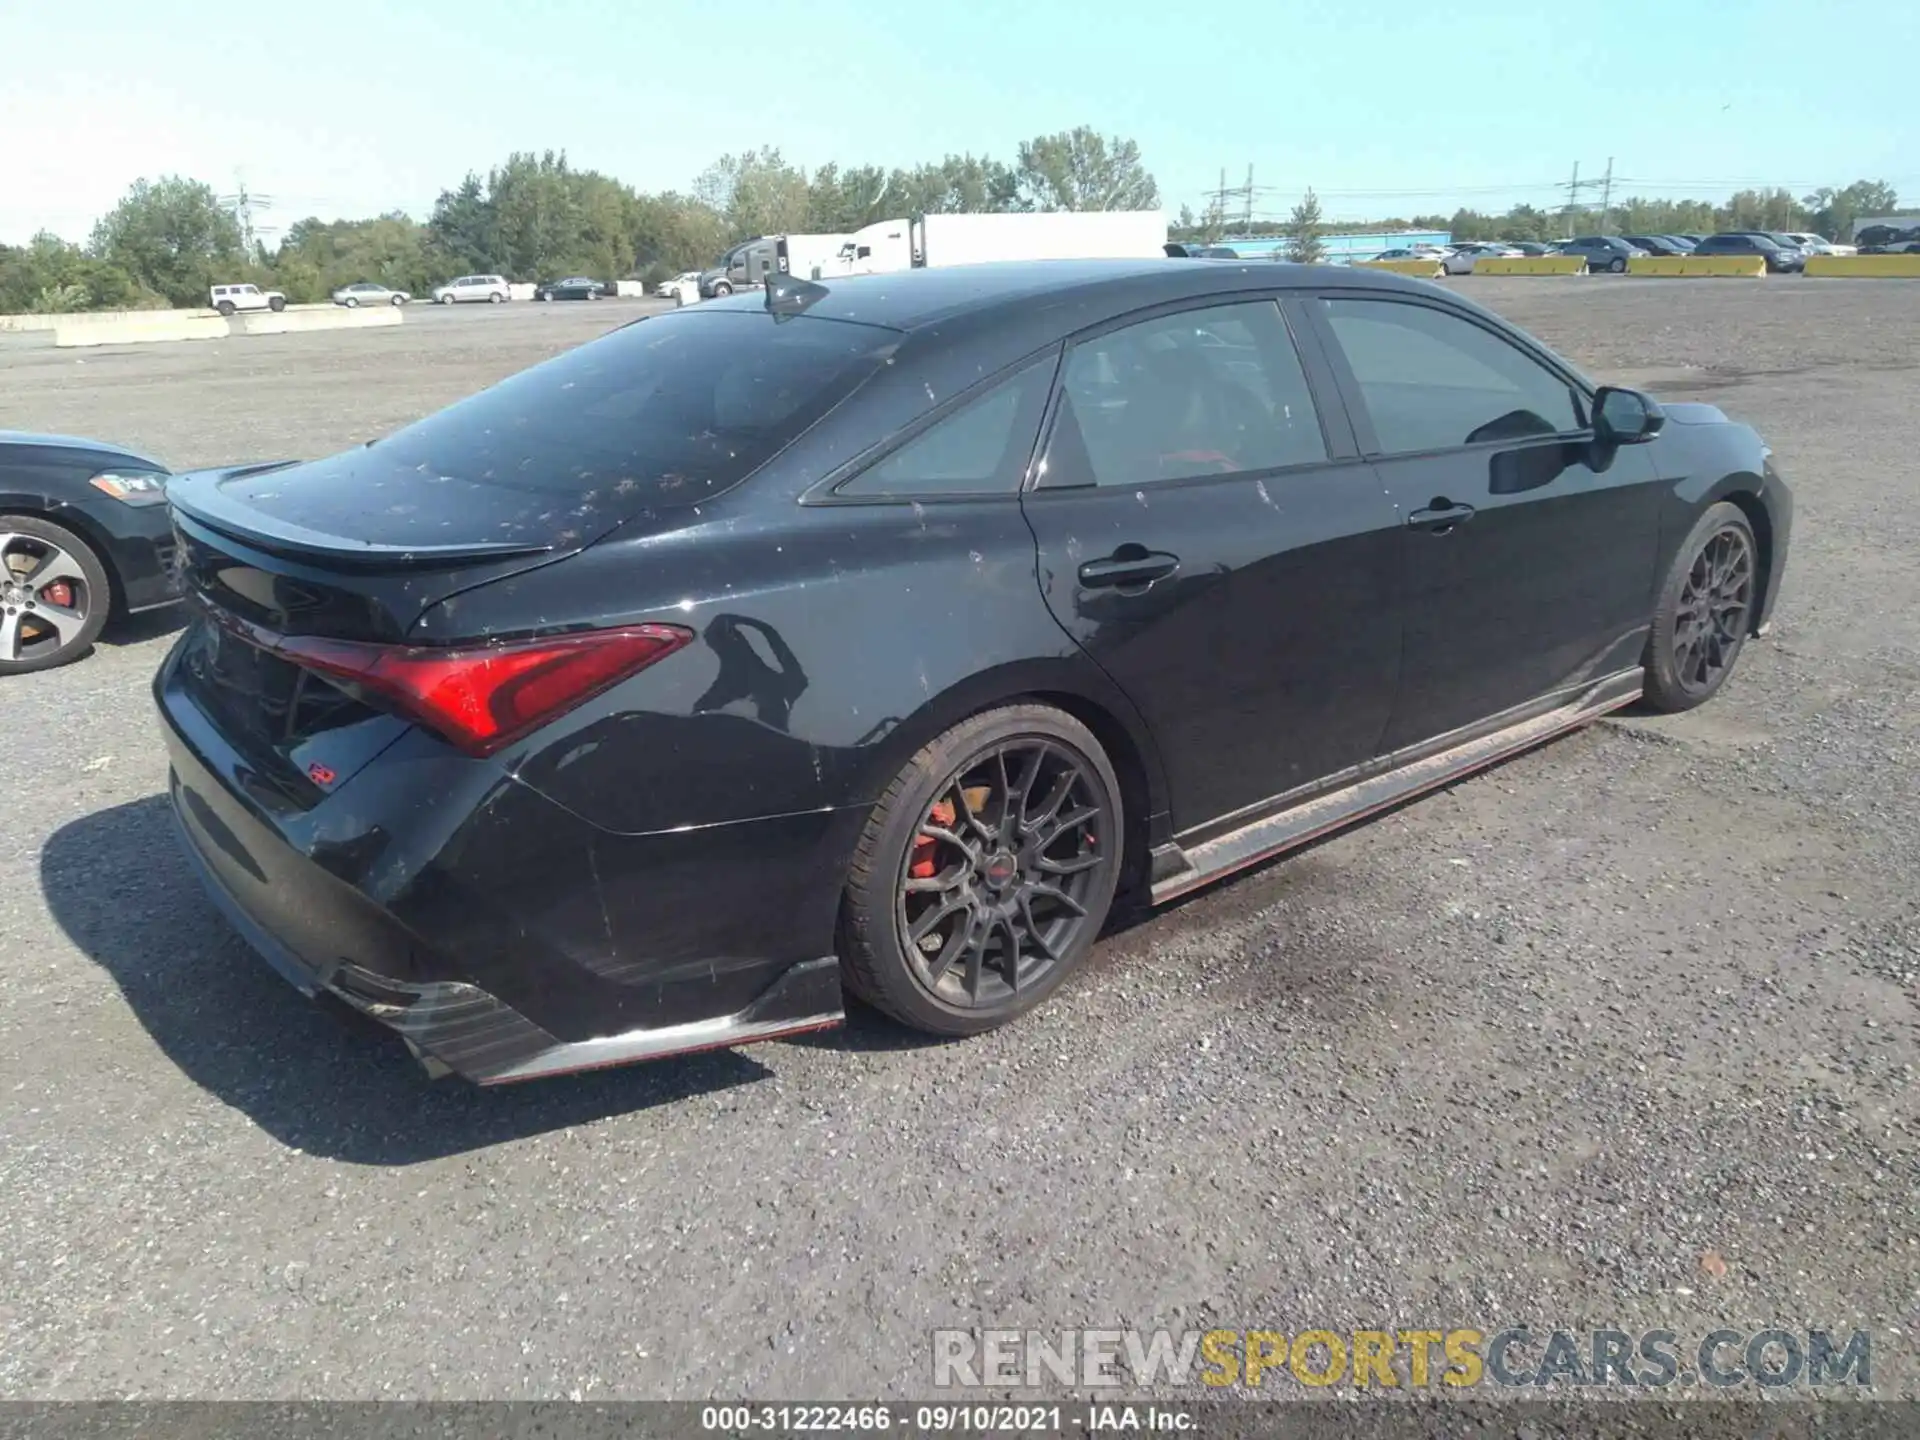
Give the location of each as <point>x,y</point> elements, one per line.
<point>958,184</point>
<point>843,200</point>
<point>675,232</point>
<point>463,227</point>
<point>1835,211</point>
<point>1303,231</point>
<point>1080,169</point>
<point>757,192</point>
<point>172,236</point>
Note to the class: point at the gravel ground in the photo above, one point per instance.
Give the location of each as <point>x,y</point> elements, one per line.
<point>1620,1033</point>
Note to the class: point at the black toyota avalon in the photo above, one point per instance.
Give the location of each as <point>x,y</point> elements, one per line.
<point>867,637</point>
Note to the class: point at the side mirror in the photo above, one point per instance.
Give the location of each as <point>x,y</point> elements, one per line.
<point>1626,417</point>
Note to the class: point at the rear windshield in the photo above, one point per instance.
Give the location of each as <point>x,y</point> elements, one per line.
<point>668,410</point>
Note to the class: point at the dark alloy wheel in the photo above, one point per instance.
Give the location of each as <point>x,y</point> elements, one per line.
<point>1706,611</point>
<point>54,595</point>
<point>986,872</point>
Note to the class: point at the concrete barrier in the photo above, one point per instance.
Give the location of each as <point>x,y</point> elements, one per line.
<point>139,329</point>
<point>324,317</point>
<point>1683,267</point>
<point>1422,269</point>
<point>1531,265</point>
<point>630,289</point>
<point>521,292</point>
<point>1883,267</point>
<point>19,324</point>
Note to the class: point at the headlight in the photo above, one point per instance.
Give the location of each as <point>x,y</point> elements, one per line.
<point>137,487</point>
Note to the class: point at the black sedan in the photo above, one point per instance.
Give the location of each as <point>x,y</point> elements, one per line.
<point>1781,259</point>
<point>578,288</point>
<point>84,537</point>
<point>870,636</point>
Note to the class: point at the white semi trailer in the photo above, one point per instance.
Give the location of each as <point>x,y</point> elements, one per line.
<point>939,240</point>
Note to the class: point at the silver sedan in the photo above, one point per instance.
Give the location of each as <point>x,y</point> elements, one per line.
<point>1460,259</point>
<point>367,292</point>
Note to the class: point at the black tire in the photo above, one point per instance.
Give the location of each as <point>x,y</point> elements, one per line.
<point>1704,613</point>
<point>397,301</point>
<point>351,303</point>
<point>225,307</point>
<point>721,287</point>
<point>277,304</point>
<point>19,605</point>
<point>1618,265</point>
<point>946,987</point>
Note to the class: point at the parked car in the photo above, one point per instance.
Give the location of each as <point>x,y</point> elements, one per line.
<point>492,289</point>
<point>1780,260</point>
<point>685,277</point>
<point>228,299</point>
<point>568,772</point>
<point>577,288</point>
<point>1872,238</point>
<point>369,292</point>
<point>1179,250</point>
<point>1811,244</point>
<point>1420,253</point>
<point>1897,247</point>
<point>1460,259</point>
<point>1656,244</point>
<point>1602,252</point>
<point>1530,247</point>
<point>84,538</point>
<point>1684,242</point>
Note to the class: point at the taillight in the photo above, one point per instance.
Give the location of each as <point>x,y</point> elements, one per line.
<point>483,698</point>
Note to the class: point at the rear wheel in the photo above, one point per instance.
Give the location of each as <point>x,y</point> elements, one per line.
<point>351,303</point>
<point>985,872</point>
<point>397,301</point>
<point>1705,611</point>
<point>1618,264</point>
<point>55,595</point>
<point>225,307</point>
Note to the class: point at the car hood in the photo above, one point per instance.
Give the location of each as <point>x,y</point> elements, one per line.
<point>105,453</point>
<point>1693,412</point>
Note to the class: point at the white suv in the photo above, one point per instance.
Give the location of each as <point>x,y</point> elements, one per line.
<point>492,288</point>
<point>229,298</point>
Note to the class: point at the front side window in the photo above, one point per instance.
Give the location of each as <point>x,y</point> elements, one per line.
<point>1215,391</point>
<point>1433,381</point>
<point>981,448</point>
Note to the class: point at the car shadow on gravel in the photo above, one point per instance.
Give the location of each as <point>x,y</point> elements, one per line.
<point>148,625</point>
<point>317,1077</point>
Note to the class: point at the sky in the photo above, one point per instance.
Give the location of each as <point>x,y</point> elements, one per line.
<point>339,110</point>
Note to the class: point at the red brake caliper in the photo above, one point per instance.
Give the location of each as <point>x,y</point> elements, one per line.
<point>59,593</point>
<point>922,866</point>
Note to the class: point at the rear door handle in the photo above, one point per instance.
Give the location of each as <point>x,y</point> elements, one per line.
<point>1130,565</point>
<point>1440,517</point>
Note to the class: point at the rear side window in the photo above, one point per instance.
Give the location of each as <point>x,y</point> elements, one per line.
<point>981,448</point>
<point>1215,391</point>
<point>667,410</point>
<point>1433,381</point>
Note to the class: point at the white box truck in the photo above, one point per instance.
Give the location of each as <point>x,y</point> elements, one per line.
<point>935,240</point>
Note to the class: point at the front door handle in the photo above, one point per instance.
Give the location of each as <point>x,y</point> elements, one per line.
<point>1440,517</point>
<point>1127,566</point>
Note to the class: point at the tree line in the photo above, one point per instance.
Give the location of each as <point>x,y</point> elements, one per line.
<point>537,216</point>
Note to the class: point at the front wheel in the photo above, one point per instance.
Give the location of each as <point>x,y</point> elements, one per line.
<point>1705,611</point>
<point>985,872</point>
<point>721,287</point>
<point>495,298</point>
<point>55,595</point>
<point>276,304</point>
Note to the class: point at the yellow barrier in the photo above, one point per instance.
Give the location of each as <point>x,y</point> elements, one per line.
<point>1879,266</point>
<point>1746,267</point>
<point>1531,265</point>
<point>1423,269</point>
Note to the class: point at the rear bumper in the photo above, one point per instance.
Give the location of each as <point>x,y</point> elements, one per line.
<point>508,939</point>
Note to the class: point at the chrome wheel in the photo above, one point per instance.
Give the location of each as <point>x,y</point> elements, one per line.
<point>45,598</point>
<point>1710,621</point>
<point>996,887</point>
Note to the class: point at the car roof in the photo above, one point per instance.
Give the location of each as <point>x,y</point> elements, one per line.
<point>915,299</point>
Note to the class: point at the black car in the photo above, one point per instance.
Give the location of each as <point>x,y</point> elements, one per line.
<point>1781,259</point>
<point>1657,244</point>
<point>577,288</point>
<point>871,635</point>
<point>1179,250</point>
<point>84,537</point>
<point>1602,252</point>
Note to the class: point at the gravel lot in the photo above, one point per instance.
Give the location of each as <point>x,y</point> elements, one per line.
<point>1525,1051</point>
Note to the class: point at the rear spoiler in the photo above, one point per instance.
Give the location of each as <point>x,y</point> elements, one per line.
<point>197,496</point>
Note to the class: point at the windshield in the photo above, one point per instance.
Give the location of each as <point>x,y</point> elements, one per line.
<point>668,410</point>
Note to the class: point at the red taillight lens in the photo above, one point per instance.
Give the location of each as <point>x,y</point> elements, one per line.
<point>485,697</point>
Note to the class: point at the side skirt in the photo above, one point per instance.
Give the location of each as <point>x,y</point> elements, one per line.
<point>1177,870</point>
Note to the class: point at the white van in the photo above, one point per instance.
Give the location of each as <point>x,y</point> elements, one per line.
<point>491,288</point>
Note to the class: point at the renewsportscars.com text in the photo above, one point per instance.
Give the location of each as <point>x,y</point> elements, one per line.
<point>1457,1358</point>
